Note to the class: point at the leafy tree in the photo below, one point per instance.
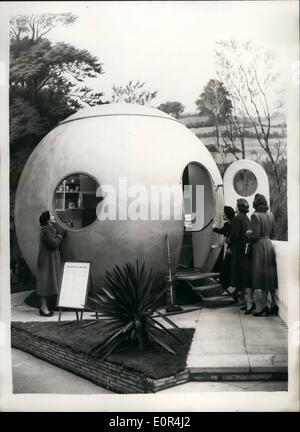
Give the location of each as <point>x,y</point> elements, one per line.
<point>36,65</point>
<point>45,84</point>
<point>133,92</point>
<point>45,78</point>
<point>172,108</point>
<point>25,120</point>
<point>214,101</point>
<point>37,26</point>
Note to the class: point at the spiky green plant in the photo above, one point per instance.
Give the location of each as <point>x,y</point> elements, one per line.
<point>129,304</point>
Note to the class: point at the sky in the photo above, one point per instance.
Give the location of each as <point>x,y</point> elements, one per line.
<point>170,45</point>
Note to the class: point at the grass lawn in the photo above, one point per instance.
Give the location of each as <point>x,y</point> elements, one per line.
<point>154,363</point>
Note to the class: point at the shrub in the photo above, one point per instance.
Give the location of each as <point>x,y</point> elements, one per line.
<point>205,122</point>
<point>129,305</point>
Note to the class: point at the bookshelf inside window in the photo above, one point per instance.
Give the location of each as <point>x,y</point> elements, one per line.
<point>75,201</point>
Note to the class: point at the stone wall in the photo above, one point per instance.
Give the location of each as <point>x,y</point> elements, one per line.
<point>282,254</point>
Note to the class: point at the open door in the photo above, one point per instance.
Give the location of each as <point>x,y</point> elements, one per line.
<point>199,214</point>
<point>244,179</point>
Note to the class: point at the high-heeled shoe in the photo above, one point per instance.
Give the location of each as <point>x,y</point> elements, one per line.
<point>248,311</point>
<point>42,313</point>
<point>263,313</point>
<point>274,310</point>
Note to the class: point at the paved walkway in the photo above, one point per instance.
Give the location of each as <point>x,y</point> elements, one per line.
<point>225,341</point>
<point>32,375</point>
<point>228,341</point>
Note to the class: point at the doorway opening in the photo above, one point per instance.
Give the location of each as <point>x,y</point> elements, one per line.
<point>198,215</point>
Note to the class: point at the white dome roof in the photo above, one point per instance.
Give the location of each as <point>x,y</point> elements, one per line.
<point>117,109</point>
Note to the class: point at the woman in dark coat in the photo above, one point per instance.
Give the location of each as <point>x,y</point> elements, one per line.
<point>264,269</point>
<point>49,261</point>
<point>224,260</point>
<point>240,261</point>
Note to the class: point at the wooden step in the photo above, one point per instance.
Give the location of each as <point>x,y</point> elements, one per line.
<point>220,299</point>
<point>207,287</point>
<point>206,292</point>
<point>195,276</point>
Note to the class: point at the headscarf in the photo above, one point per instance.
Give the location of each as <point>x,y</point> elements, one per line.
<point>260,203</point>
<point>229,212</point>
<point>242,205</point>
<point>44,218</point>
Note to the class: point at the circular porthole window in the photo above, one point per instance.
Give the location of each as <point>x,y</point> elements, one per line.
<point>245,183</point>
<point>75,201</point>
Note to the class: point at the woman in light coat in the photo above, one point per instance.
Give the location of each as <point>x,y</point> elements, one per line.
<point>264,269</point>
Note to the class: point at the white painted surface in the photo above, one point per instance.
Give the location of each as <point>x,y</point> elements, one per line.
<point>230,194</point>
<point>116,109</point>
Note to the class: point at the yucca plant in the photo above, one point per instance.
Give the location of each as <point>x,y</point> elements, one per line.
<point>129,304</point>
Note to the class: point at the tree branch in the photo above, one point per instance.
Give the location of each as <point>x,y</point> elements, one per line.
<point>43,34</point>
<point>265,134</point>
<point>250,117</point>
<point>31,25</point>
<point>14,33</point>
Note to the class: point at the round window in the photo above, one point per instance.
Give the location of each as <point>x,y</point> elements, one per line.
<point>245,183</point>
<point>75,201</point>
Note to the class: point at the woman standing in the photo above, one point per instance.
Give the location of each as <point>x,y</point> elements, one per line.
<point>49,261</point>
<point>264,269</point>
<point>240,263</point>
<point>224,260</point>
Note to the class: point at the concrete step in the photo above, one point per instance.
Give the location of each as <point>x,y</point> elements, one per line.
<point>198,375</point>
<point>239,367</point>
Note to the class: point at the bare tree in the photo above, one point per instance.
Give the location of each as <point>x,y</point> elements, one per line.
<point>248,72</point>
<point>234,132</point>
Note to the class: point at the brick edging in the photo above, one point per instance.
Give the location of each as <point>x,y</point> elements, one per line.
<point>103,373</point>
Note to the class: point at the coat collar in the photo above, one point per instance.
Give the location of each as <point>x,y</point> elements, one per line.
<point>49,226</point>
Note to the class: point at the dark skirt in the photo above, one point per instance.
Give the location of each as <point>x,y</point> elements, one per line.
<point>240,268</point>
<point>223,266</point>
<point>225,273</point>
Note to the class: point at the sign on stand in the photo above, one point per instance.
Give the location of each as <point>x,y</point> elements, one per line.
<point>74,286</point>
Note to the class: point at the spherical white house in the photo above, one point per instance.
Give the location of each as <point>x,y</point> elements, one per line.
<point>143,147</point>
